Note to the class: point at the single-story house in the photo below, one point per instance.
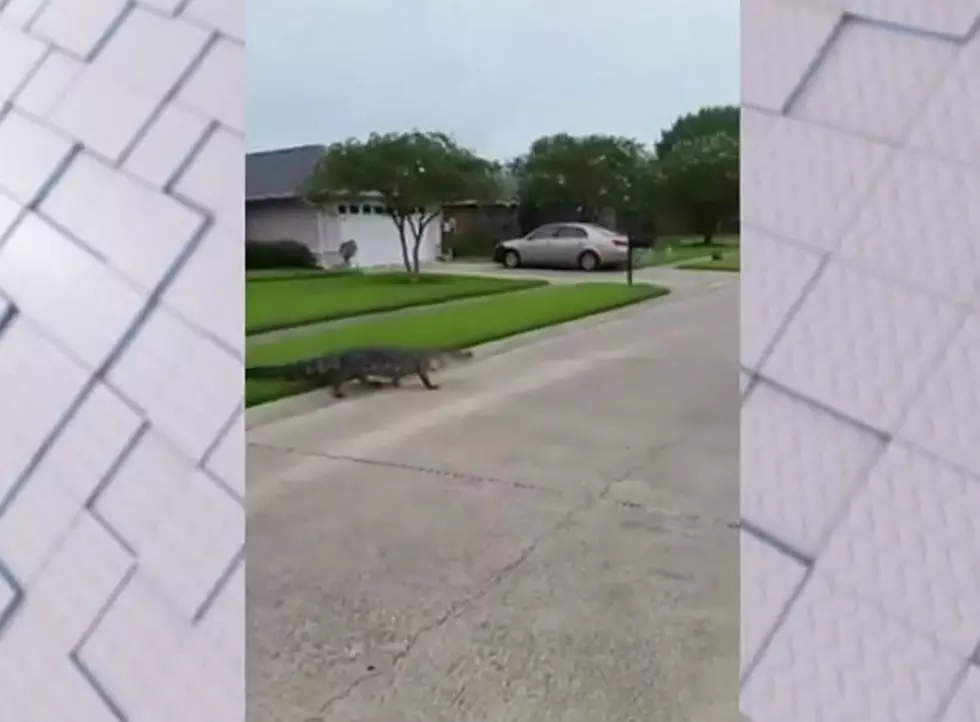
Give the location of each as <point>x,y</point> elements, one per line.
<point>495,220</point>
<point>275,211</point>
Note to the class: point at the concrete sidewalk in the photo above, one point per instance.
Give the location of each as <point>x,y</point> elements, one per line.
<point>668,276</point>
<point>548,537</point>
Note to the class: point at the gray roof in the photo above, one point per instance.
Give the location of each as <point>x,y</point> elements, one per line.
<point>280,173</point>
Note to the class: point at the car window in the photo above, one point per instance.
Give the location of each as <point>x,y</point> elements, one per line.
<point>542,232</point>
<point>571,232</point>
<point>600,231</point>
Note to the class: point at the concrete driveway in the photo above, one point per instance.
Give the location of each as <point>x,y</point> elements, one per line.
<point>548,537</point>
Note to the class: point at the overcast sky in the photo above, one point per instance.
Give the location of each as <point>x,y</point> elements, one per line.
<point>495,73</point>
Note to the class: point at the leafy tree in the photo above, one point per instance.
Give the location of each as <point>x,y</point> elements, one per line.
<point>706,121</point>
<point>584,177</point>
<point>641,200</point>
<point>699,178</point>
<point>414,173</point>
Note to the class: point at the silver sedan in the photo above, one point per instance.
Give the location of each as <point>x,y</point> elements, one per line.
<point>565,245</point>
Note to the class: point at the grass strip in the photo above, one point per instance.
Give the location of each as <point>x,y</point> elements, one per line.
<point>728,262</point>
<point>679,254</point>
<point>271,305</point>
<point>448,326</point>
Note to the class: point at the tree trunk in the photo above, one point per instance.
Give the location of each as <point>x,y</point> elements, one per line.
<point>708,230</point>
<point>418,234</point>
<point>709,225</point>
<point>415,251</point>
<point>406,261</point>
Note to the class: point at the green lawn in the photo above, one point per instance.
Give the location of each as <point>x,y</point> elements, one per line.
<point>297,301</point>
<point>451,326</point>
<point>728,262</point>
<point>726,239</point>
<point>680,250</point>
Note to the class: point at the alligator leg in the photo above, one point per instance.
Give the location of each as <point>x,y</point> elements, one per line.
<point>423,374</point>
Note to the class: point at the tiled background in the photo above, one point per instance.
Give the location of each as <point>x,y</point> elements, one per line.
<point>861,360</point>
<point>121,450</point>
<point>121,523</point>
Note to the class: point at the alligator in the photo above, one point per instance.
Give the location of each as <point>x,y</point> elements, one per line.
<point>370,366</point>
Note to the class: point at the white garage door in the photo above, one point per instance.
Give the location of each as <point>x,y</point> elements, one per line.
<point>377,238</point>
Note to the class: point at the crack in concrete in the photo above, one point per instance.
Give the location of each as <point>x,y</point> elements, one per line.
<point>458,475</point>
<point>476,479</point>
<point>460,607</point>
<point>456,610</point>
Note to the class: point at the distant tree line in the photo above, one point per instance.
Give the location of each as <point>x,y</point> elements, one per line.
<point>691,175</point>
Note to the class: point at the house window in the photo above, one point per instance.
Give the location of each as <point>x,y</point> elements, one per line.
<point>354,210</point>
<point>366,210</point>
<point>380,210</point>
<point>341,210</point>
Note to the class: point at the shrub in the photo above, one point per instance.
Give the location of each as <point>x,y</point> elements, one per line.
<point>472,245</point>
<point>263,255</point>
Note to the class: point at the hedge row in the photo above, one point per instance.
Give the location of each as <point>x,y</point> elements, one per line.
<point>265,255</point>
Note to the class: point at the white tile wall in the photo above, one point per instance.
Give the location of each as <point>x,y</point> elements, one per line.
<point>799,491</point>
<point>903,69</point>
<point>861,328</point>
<point>32,155</point>
<point>775,275</point>
<point>965,706</point>
<point>837,657</point>
<point>769,581</point>
<point>121,518</point>
<point>780,159</point>
<point>776,29</point>
<point>947,125</point>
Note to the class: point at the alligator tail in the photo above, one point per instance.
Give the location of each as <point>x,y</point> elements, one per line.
<point>295,371</point>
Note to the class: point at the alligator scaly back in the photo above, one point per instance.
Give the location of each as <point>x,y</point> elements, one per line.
<point>363,364</point>
<point>394,363</point>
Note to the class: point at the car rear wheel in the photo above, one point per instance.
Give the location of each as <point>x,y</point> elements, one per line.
<point>512,259</point>
<point>588,261</point>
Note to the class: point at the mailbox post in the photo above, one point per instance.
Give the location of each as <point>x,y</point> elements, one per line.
<point>629,259</point>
